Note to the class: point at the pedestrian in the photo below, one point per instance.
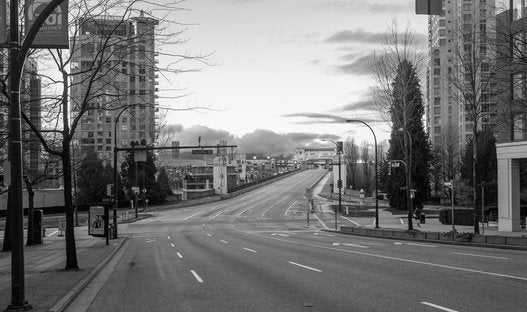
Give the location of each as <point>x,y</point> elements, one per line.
<point>418,213</point>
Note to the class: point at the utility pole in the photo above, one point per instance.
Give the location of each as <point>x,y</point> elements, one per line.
<point>15,208</point>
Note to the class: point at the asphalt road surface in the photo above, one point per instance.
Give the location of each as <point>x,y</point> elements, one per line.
<point>254,253</point>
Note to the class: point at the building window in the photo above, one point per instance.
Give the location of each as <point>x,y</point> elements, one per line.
<point>437,120</point>
<point>437,101</point>
<point>437,110</point>
<point>518,86</point>
<point>437,71</point>
<point>519,127</point>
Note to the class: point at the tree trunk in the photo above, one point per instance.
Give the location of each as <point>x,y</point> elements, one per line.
<point>474,181</point>
<point>71,249</point>
<point>7,228</point>
<point>30,213</point>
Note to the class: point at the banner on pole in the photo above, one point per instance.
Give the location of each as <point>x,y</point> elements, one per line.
<point>53,34</point>
<point>3,24</point>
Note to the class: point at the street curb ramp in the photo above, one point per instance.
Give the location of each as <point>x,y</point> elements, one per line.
<point>63,303</point>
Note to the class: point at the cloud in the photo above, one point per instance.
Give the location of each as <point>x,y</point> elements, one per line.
<point>260,141</point>
<point>354,106</point>
<point>357,67</point>
<point>319,118</point>
<point>356,36</point>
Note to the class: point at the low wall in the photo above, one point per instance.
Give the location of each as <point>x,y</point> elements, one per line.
<point>441,237</point>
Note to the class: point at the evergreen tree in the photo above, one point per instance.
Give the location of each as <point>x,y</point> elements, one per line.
<point>92,179</point>
<point>486,168</point>
<point>407,112</point>
<point>164,182</point>
<point>146,179</point>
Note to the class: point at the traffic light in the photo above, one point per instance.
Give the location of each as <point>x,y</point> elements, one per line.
<point>340,146</point>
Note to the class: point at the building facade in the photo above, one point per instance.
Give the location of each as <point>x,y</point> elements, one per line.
<point>460,63</point>
<point>511,133</point>
<point>114,84</point>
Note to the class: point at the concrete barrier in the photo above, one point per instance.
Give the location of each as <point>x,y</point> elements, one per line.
<point>467,239</point>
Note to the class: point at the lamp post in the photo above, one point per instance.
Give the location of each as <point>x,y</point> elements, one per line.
<point>115,151</point>
<point>339,183</point>
<point>408,149</point>
<point>376,171</point>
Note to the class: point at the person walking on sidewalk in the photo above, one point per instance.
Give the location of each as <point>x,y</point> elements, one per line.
<point>418,213</point>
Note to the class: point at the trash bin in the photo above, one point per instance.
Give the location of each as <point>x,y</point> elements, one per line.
<point>38,226</point>
<point>423,218</point>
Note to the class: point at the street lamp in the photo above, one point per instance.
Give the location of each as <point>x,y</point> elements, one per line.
<point>376,171</point>
<point>115,151</point>
<point>339,183</point>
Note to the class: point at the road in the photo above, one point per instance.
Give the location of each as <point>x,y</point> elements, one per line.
<point>254,253</point>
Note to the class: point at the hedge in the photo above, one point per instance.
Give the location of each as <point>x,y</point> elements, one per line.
<point>461,216</point>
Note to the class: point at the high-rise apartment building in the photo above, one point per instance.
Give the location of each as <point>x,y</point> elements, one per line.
<point>30,100</point>
<point>121,55</point>
<point>457,38</point>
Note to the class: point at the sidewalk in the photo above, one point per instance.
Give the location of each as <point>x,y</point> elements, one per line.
<point>390,221</point>
<point>45,279</point>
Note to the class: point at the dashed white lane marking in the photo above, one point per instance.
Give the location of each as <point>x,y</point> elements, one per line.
<point>357,224</point>
<point>304,266</point>
<point>171,244</point>
<point>323,224</point>
<point>438,307</point>
<point>179,255</point>
<point>168,237</point>
<point>287,210</point>
<point>196,276</point>
<point>223,241</point>
<point>401,220</point>
<point>251,250</point>
<point>216,215</point>
<point>483,256</point>
<point>209,235</point>
<point>53,233</point>
<point>150,240</point>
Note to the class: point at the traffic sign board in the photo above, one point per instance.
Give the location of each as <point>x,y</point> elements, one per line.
<point>201,152</point>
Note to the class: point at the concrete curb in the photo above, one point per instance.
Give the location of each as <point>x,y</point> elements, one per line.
<point>427,237</point>
<point>63,303</point>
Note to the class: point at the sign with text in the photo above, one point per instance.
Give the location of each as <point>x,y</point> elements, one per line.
<point>201,152</point>
<point>96,219</point>
<point>53,34</point>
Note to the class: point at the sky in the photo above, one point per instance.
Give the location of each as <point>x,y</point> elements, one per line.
<point>277,67</point>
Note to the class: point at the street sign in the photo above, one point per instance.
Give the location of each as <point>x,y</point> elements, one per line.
<point>201,152</point>
<point>96,219</point>
<point>108,199</point>
<point>54,32</point>
<point>394,164</point>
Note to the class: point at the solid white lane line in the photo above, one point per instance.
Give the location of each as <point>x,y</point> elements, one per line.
<point>171,244</point>
<point>225,242</point>
<point>438,307</point>
<point>437,265</point>
<point>196,276</point>
<point>276,203</point>
<point>179,255</point>
<point>421,245</point>
<point>52,233</point>
<point>304,266</point>
<point>357,224</point>
<point>250,250</point>
<point>375,244</point>
<point>483,256</point>
<point>287,210</point>
<point>323,224</point>
<point>194,215</point>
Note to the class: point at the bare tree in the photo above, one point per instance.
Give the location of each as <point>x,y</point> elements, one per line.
<point>365,158</point>
<point>395,68</point>
<point>351,155</point>
<point>98,85</point>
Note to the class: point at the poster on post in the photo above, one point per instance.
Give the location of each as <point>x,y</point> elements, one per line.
<point>96,219</point>
<point>53,34</point>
